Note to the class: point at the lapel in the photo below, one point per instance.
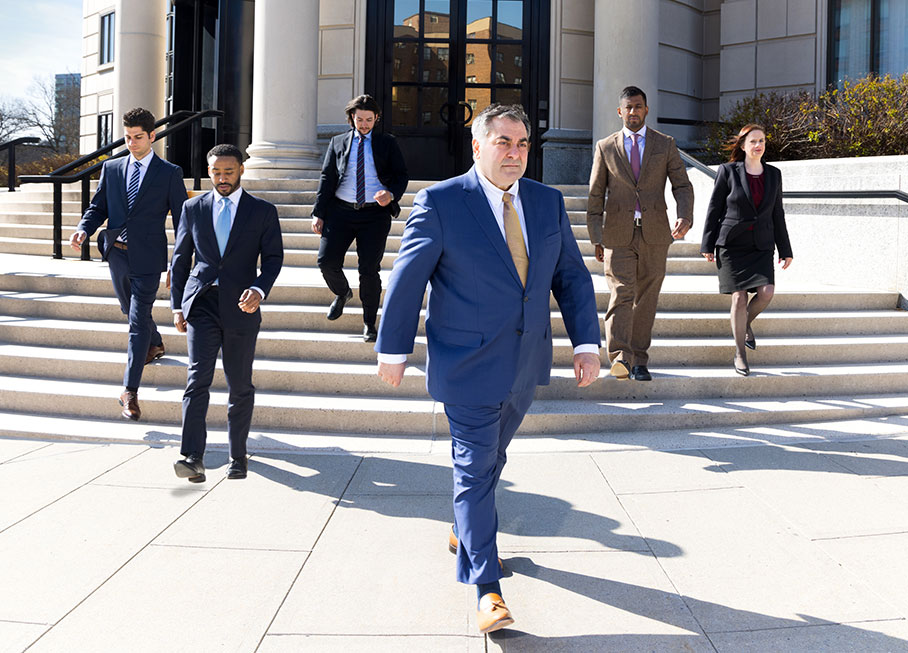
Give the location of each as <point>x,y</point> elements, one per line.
<point>622,156</point>
<point>119,170</point>
<point>534,227</point>
<point>742,177</point>
<point>206,224</point>
<point>243,212</point>
<point>651,139</point>
<point>769,186</point>
<point>478,205</point>
<point>345,154</point>
<point>154,167</point>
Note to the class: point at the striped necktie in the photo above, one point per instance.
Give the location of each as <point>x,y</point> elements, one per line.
<point>361,172</point>
<point>132,190</point>
<point>514,237</point>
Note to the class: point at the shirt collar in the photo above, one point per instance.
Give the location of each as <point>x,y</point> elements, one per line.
<point>234,197</point>
<point>629,134</point>
<point>493,192</point>
<point>368,136</point>
<point>144,162</point>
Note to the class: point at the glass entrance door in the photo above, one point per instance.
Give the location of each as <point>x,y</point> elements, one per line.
<point>439,62</point>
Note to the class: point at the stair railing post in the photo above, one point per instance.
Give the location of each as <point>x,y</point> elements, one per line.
<point>11,181</point>
<point>86,192</point>
<point>194,153</point>
<point>58,218</point>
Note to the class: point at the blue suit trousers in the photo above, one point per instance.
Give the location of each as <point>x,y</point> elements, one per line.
<point>479,438</point>
<point>136,294</point>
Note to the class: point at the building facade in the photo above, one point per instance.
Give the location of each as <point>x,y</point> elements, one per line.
<point>282,70</point>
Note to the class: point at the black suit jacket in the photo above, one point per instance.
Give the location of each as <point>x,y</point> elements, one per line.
<point>389,165</point>
<point>256,232</point>
<point>162,190</point>
<point>731,209</point>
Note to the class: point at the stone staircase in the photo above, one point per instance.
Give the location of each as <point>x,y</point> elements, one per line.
<point>823,353</point>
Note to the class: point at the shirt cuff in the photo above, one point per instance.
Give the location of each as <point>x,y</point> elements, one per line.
<point>177,310</point>
<point>392,359</point>
<point>258,290</point>
<point>586,349</point>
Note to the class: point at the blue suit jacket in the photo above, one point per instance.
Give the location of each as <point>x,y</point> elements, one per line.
<point>256,232</point>
<point>483,328</point>
<point>162,190</point>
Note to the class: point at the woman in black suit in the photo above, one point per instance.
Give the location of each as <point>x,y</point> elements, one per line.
<point>744,222</point>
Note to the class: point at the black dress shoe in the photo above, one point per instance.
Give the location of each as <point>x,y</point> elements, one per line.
<point>370,333</point>
<point>191,468</point>
<point>337,306</point>
<point>640,373</point>
<point>237,468</point>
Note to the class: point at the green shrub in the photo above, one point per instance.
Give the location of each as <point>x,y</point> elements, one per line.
<point>862,118</point>
<point>44,166</point>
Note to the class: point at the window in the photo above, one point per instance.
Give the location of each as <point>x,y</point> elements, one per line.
<point>471,79</point>
<point>105,129</point>
<point>471,57</point>
<point>867,36</point>
<point>106,46</point>
<point>500,77</point>
<point>518,61</point>
<point>500,57</point>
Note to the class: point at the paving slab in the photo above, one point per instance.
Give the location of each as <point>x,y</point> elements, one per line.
<point>404,475</point>
<point>39,478</point>
<point>67,550</point>
<point>11,448</point>
<point>878,457</point>
<point>175,598</point>
<point>381,567</point>
<point>561,503</point>
<point>372,644</point>
<point>633,472</point>
<point>862,637</point>
<point>819,497</point>
<point>282,505</point>
<point>16,636</point>
<point>595,601</point>
<point>743,568</point>
<point>877,559</point>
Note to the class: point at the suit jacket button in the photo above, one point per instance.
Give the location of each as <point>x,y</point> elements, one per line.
<point>519,332</point>
<point>526,299</point>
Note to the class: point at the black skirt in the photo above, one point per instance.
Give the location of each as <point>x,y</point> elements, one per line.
<point>742,266</point>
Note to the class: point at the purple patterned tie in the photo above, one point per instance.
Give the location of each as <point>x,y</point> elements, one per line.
<point>635,163</point>
<point>361,172</point>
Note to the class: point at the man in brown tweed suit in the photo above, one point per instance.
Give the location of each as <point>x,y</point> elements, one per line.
<point>632,236</point>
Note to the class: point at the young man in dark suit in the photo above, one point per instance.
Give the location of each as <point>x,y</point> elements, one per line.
<point>216,300</point>
<point>134,196</point>
<point>363,178</point>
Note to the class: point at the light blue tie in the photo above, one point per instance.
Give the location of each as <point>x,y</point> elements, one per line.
<point>222,225</point>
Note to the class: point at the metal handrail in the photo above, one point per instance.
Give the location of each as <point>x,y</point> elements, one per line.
<point>59,176</point>
<point>808,194</point>
<point>11,146</point>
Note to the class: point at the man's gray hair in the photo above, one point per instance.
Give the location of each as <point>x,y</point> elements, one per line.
<point>515,112</point>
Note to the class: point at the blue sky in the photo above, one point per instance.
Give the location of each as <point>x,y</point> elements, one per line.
<point>40,37</point>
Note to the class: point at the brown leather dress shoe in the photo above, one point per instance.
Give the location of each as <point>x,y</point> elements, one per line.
<point>154,353</point>
<point>452,545</point>
<point>493,614</point>
<point>130,402</point>
<point>620,369</point>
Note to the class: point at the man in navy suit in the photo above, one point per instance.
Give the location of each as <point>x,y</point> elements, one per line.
<point>362,181</point>
<point>134,195</point>
<point>216,302</point>
<point>493,247</point>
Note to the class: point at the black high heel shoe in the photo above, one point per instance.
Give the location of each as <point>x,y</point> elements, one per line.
<point>750,341</point>
<point>743,371</point>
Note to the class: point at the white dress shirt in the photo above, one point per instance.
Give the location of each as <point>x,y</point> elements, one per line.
<point>629,143</point>
<point>143,167</point>
<point>494,196</point>
<point>346,189</point>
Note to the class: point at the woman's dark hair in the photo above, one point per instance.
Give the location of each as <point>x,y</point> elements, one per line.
<point>735,146</point>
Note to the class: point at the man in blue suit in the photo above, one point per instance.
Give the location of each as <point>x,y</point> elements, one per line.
<point>493,247</point>
<point>134,195</point>
<point>216,302</point>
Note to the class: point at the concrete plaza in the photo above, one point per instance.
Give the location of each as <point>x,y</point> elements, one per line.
<point>789,538</point>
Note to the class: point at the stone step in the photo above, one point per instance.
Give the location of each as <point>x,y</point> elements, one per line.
<point>338,347</point>
<point>305,286</point>
<point>390,418</point>
<point>668,324</point>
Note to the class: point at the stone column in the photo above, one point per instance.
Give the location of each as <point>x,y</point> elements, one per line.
<point>626,53</point>
<point>285,91</point>
<point>139,65</point>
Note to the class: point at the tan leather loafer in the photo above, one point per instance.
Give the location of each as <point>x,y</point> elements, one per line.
<point>452,545</point>
<point>493,614</point>
<point>620,369</point>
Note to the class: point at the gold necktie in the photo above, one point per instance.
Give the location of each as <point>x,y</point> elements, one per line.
<point>514,235</point>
